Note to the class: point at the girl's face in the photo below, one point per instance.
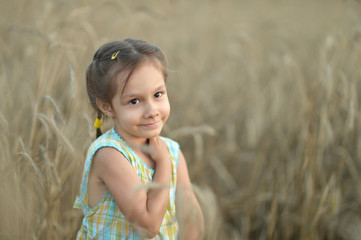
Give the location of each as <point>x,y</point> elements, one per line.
<point>141,108</point>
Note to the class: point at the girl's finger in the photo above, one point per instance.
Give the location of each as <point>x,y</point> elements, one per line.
<point>154,141</point>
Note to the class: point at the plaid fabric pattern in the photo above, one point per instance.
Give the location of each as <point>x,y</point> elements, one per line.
<point>105,220</point>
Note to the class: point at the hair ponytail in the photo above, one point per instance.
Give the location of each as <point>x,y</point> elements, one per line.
<point>98,123</point>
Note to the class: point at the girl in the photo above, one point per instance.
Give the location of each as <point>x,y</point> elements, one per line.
<point>126,82</point>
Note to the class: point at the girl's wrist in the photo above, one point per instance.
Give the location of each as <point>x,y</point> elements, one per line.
<point>164,163</point>
<point>163,169</point>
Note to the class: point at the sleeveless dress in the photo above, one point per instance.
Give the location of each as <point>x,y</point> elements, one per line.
<point>105,220</point>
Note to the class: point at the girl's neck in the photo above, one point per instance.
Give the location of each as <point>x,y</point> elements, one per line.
<point>132,141</point>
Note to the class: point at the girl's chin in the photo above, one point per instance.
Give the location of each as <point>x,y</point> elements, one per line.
<point>141,136</point>
<point>151,134</point>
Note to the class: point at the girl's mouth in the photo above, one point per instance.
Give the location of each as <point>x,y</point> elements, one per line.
<point>151,125</point>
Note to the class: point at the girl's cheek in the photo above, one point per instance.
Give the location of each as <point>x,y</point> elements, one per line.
<point>166,108</point>
<point>128,114</point>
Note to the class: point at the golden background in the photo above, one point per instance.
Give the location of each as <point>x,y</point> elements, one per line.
<point>265,99</point>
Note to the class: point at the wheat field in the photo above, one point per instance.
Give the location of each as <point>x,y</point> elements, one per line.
<point>265,99</point>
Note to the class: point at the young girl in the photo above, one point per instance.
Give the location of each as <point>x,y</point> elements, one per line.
<point>127,82</point>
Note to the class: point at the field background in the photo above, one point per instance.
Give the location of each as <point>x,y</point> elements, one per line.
<point>265,98</point>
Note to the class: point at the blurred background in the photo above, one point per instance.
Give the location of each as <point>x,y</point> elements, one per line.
<point>265,99</point>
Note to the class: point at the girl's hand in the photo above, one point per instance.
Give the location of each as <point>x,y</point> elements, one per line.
<point>158,150</point>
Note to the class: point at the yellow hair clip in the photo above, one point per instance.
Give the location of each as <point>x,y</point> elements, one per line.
<point>98,123</point>
<point>114,55</point>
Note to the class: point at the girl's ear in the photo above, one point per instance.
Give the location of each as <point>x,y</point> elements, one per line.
<point>105,107</point>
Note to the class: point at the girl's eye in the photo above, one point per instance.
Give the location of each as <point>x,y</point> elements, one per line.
<point>158,94</point>
<point>133,101</point>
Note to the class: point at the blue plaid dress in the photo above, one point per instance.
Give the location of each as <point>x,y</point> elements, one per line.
<point>105,220</point>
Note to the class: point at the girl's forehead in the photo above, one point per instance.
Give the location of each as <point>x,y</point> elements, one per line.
<point>125,77</point>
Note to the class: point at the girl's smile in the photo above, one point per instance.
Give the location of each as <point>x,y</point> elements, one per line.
<point>141,108</point>
<point>151,125</point>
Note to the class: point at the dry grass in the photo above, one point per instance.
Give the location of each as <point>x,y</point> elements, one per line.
<point>265,103</point>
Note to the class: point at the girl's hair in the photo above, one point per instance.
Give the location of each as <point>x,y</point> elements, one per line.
<point>118,59</point>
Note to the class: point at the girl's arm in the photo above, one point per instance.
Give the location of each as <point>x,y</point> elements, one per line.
<point>192,219</point>
<point>146,211</point>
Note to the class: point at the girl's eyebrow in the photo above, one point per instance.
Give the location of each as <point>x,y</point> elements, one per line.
<point>161,86</point>
<point>127,96</point>
<point>134,95</point>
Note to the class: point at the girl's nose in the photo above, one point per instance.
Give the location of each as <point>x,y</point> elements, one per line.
<point>151,110</point>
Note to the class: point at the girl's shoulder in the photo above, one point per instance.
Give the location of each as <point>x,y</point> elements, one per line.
<point>173,146</point>
<point>109,139</point>
<point>170,142</point>
<point>112,139</point>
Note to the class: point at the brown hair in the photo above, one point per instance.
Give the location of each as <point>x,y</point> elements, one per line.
<point>114,58</point>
